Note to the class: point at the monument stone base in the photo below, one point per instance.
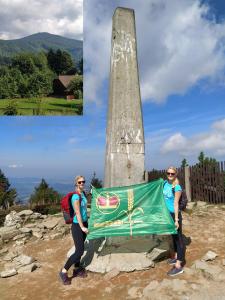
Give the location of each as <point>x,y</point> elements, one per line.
<point>125,255</point>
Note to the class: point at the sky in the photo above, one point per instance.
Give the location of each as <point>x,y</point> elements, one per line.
<point>181,57</point>
<point>20,18</point>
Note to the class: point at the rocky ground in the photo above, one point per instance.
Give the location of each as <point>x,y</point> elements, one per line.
<point>37,253</point>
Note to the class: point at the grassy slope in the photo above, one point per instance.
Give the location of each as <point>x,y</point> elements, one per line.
<point>48,106</point>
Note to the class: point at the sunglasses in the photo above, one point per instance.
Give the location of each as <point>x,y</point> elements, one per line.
<point>79,182</point>
<point>172,174</point>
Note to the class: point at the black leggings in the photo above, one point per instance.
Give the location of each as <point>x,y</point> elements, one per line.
<point>79,237</point>
<point>178,241</point>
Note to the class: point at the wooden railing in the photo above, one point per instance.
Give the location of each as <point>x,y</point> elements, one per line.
<point>208,182</point>
<point>205,182</point>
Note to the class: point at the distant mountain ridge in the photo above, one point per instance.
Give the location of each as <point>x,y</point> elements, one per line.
<point>25,186</point>
<point>42,41</point>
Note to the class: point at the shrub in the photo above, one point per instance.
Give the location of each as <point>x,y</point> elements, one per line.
<point>11,109</point>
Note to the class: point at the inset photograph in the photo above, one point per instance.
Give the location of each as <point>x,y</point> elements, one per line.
<point>41,58</point>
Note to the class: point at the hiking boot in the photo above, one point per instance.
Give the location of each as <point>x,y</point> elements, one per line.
<point>171,261</point>
<point>80,272</point>
<point>175,271</point>
<point>64,277</point>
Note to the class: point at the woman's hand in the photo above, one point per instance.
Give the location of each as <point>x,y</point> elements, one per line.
<point>85,230</point>
<point>176,224</point>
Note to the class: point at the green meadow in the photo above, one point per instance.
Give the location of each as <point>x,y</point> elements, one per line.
<point>45,106</point>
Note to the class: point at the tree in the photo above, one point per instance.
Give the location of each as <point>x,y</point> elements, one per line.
<point>201,157</point>
<point>184,163</point>
<point>71,71</point>
<point>66,62</point>
<point>8,85</point>
<point>80,66</point>
<point>4,70</point>
<point>43,194</point>
<point>210,161</point>
<point>76,86</point>
<point>23,86</point>
<point>206,160</point>
<point>60,61</point>
<point>7,195</point>
<point>40,61</point>
<point>51,59</point>
<point>95,182</point>
<point>11,109</point>
<point>40,83</point>
<point>24,62</point>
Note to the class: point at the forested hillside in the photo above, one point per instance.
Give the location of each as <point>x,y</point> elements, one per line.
<point>40,42</point>
<point>31,75</point>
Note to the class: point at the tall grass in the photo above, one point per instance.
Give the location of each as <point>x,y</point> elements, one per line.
<point>42,106</point>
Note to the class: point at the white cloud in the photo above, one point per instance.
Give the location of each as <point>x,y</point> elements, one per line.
<point>220,125</point>
<point>212,142</point>
<point>97,37</point>
<point>72,140</point>
<point>19,18</point>
<point>178,45</point>
<point>27,138</point>
<point>15,166</point>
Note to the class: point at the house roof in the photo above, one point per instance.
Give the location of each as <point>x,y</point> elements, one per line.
<point>65,79</point>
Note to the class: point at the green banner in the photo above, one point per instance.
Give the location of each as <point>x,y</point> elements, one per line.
<point>128,211</point>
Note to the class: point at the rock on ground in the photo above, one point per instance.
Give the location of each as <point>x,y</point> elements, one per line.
<point>25,212</point>
<point>210,255</point>
<point>113,273</point>
<point>28,268</point>
<point>12,219</point>
<point>24,260</point>
<point>7,233</point>
<point>8,273</point>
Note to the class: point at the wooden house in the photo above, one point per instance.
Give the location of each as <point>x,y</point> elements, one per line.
<point>60,86</point>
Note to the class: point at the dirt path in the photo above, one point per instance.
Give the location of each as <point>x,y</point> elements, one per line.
<point>205,227</point>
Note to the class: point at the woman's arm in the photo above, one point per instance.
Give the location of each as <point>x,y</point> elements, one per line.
<point>76,207</point>
<point>176,207</point>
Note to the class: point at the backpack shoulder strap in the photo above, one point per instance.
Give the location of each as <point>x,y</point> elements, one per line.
<point>77,193</point>
<point>70,202</point>
<point>173,188</point>
<point>70,195</point>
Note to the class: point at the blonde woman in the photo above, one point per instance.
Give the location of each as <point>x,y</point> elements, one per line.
<point>79,231</point>
<point>172,192</point>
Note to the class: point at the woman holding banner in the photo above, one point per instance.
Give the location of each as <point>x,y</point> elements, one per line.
<point>79,231</point>
<point>172,193</point>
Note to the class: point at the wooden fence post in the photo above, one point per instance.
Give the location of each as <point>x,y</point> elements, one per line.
<point>146,176</point>
<point>187,182</point>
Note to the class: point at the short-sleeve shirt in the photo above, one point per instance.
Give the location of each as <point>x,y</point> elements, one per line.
<point>169,195</point>
<point>83,207</point>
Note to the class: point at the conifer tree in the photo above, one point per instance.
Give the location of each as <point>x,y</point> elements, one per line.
<point>7,195</point>
<point>95,182</point>
<point>43,194</point>
<point>184,163</point>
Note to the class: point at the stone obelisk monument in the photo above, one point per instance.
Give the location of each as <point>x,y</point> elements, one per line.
<point>124,162</point>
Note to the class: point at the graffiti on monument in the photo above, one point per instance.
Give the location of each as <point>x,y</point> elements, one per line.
<point>129,141</point>
<point>124,46</point>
